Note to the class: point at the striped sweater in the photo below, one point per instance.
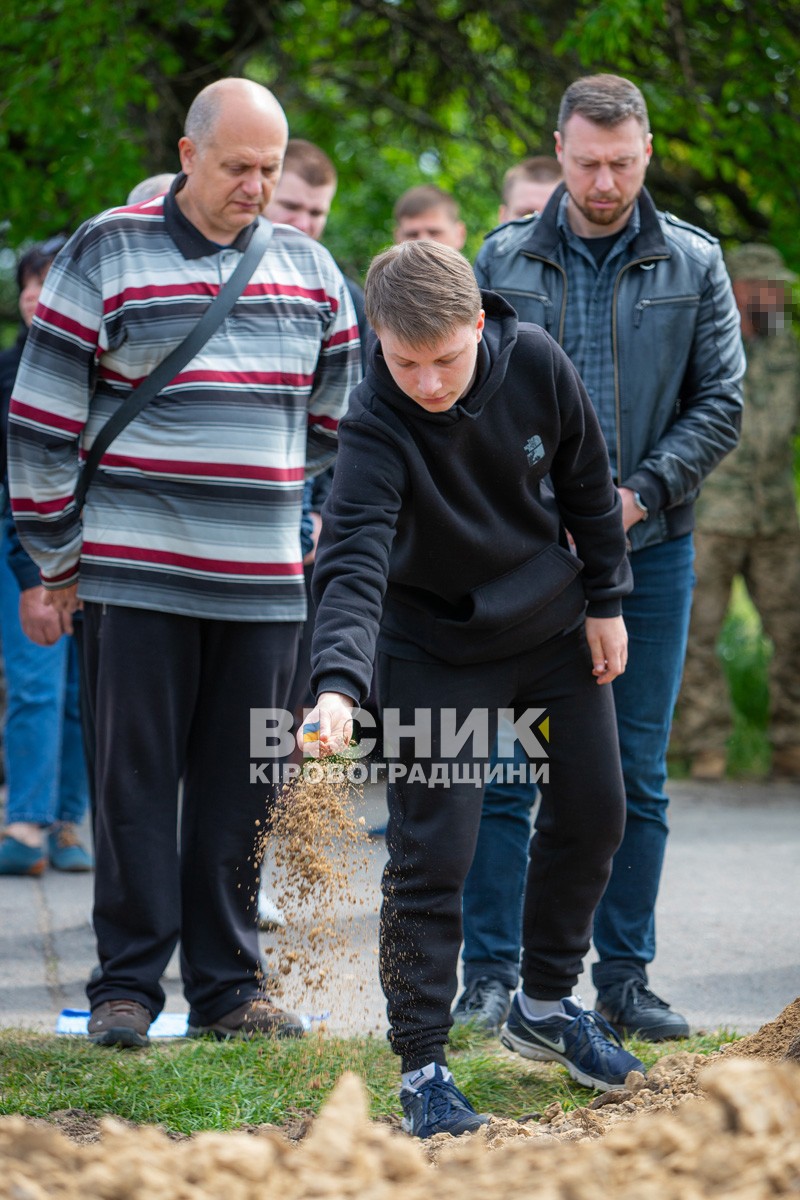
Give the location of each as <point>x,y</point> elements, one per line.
<point>196,506</point>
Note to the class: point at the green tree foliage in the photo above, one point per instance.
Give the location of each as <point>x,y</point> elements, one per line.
<point>400,92</point>
<point>88,87</point>
<point>723,89</point>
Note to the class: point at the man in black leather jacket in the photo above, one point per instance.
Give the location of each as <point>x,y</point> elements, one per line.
<point>642,304</point>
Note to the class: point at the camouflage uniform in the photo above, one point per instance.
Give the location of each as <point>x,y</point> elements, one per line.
<point>747,524</point>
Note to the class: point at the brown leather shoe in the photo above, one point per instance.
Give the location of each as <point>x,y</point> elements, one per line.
<point>258,1017</point>
<point>120,1023</point>
<point>708,766</point>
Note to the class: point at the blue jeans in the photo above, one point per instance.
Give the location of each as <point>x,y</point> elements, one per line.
<point>45,766</point>
<point>657,619</point>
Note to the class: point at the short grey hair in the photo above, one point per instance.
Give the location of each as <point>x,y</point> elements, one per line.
<point>421,291</point>
<point>202,116</point>
<point>205,109</point>
<point>605,99</point>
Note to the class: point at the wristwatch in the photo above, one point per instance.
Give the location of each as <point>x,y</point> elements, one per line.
<point>640,504</point>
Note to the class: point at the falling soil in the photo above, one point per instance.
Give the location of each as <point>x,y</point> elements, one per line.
<point>315,842</point>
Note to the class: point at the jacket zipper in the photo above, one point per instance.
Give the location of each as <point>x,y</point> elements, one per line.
<point>549,262</point>
<point>615,353</point>
<point>664,300</point>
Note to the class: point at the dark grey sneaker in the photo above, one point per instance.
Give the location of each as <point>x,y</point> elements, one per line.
<point>256,1017</point>
<point>635,1011</point>
<point>484,1001</point>
<point>437,1106</point>
<point>120,1023</point>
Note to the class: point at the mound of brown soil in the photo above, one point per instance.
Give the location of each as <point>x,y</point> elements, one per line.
<point>778,1039</point>
<point>740,1141</point>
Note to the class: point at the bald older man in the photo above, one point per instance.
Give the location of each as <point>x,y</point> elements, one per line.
<point>186,555</point>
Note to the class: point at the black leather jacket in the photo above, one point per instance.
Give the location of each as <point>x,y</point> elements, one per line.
<point>678,356</point>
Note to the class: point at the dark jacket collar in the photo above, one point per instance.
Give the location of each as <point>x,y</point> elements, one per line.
<point>187,237</point>
<point>545,238</point>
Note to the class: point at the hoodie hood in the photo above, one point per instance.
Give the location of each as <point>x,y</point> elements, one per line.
<point>494,351</point>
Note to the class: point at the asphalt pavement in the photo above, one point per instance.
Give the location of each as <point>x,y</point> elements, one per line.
<point>728,916</point>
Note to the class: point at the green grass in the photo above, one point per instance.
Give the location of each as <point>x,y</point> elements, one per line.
<point>187,1087</point>
<point>745,653</point>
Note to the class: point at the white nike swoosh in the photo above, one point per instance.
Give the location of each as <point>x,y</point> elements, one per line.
<point>559,1046</point>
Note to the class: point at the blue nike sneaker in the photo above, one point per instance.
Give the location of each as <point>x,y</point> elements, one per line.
<point>580,1039</point>
<point>437,1106</point>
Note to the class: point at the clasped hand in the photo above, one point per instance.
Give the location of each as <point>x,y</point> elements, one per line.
<point>328,728</point>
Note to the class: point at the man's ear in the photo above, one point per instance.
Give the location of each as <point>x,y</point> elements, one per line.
<point>479,325</point>
<point>188,154</point>
<point>559,145</point>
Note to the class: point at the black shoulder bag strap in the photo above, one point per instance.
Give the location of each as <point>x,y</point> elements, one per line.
<point>177,359</point>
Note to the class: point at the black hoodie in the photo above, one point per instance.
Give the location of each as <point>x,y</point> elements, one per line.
<point>442,529</point>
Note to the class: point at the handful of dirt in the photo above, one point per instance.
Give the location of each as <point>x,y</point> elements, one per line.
<point>314,839</point>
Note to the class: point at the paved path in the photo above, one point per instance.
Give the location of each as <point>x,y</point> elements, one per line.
<point>728,916</point>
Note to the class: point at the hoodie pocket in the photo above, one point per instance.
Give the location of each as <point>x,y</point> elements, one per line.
<point>521,593</point>
<point>516,611</point>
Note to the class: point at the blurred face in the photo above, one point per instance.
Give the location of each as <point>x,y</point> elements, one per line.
<point>435,377</point>
<point>604,171</point>
<point>436,224</point>
<point>295,202</point>
<point>231,179</point>
<point>764,305</point>
<point>526,196</point>
<point>29,296</point>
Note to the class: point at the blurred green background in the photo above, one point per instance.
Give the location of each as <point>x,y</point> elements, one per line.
<point>401,92</point>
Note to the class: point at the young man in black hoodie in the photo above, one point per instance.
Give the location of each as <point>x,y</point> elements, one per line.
<point>445,545</point>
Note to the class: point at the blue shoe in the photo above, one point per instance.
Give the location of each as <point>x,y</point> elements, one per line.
<point>581,1040</point>
<point>66,851</point>
<point>437,1106</point>
<point>18,859</point>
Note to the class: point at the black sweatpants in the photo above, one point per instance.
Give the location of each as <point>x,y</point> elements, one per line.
<point>432,832</point>
<point>172,698</point>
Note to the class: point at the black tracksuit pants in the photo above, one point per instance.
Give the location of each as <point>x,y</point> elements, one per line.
<point>172,698</point>
<point>432,832</point>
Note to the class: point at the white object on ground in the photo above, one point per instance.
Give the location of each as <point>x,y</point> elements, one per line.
<point>166,1025</point>
<point>269,915</point>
